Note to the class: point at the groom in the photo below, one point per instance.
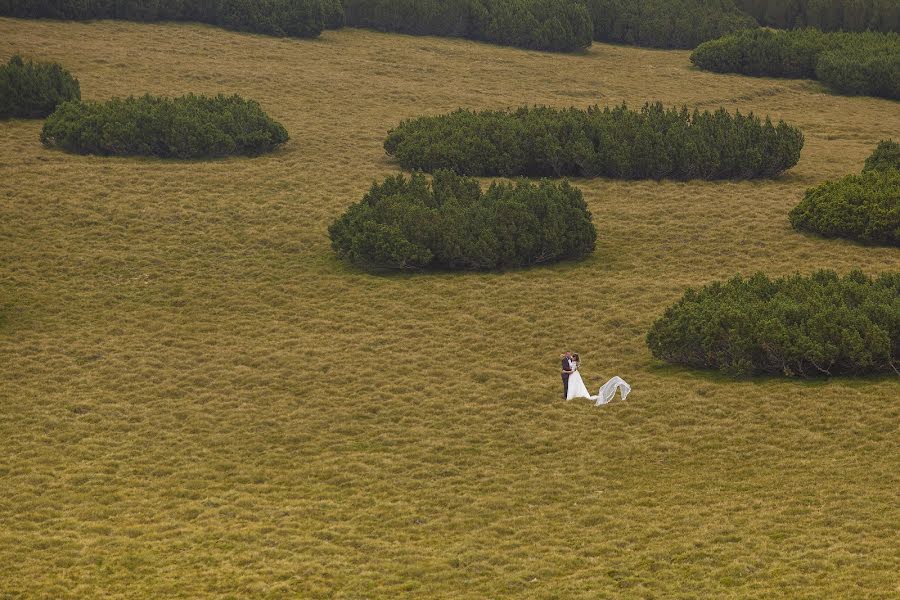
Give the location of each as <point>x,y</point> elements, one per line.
<point>566,371</point>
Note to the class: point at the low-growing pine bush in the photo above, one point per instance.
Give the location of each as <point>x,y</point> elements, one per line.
<point>555,25</point>
<point>819,325</point>
<point>652,143</point>
<point>296,18</point>
<point>450,223</point>
<point>665,23</point>
<point>886,156</point>
<point>185,127</point>
<point>827,15</point>
<point>865,63</point>
<point>34,90</point>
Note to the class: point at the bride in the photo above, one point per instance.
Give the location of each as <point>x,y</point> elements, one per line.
<point>577,389</point>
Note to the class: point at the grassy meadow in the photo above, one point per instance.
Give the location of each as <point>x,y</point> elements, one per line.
<point>198,400</point>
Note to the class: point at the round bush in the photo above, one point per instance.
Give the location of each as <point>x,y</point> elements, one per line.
<point>860,207</point>
<point>665,23</point>
<point>452,224</point>
<point>185,127</point>
<point>794,326</point>
<point>652,143</point>
<point>850,63</point>
<point>33,90</point>
<point>555,25</point>
<point>886,156</point>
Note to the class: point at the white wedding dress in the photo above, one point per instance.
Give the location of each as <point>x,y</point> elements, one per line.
<point>577,389</point>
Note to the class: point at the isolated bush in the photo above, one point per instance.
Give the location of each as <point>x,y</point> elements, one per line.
<point>557,25</point>
<point>861,207</point>
<point>33,90</point>
<point>452,224</point>
<point>185,127</point>
<point>794,326</point>
<point>296,18</point>
<point>827,15</point>
<point>886,156</point>
<point>665,23</point>
<point>850,63</point>
<point>652,143</point>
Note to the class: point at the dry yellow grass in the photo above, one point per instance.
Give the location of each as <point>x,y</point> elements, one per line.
<point>198,400</point>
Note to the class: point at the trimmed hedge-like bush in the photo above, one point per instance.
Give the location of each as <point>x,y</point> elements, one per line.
<point>295,18</point>
<point>32,90</point>
<point>794,326</point>
<point>886,156</point>
<point>452,224</point>
<point>665,23</point>
<point>652,143</point>
<point>860,207</point>
<point>557,25</point>
<point>827,15</point>
<point>850,63</point>
<point>185,127</point>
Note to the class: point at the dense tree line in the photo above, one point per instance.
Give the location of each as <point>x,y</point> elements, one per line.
<point>295,18</point>
<point>863,207</point>
<point>823,324</point>
<point>558,25</point>
<point>665,23</point>
<point>185,127</point>
<point>651,143</point>
<point>850,63</point>
<point>827,15</point>
<point>451,223</point>
<point>33,90</point>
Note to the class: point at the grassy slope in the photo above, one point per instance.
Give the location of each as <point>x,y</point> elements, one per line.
<point>198,400</point>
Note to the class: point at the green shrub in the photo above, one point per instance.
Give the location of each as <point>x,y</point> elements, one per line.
<point>886,156</point>
<point>557,25</point>
<point>861,207</point>
<point>827,15</point>
<point>185,127</point>
<point>452,224</point>
<point>850,63</point>
<point>33,90</point>
<point>613,142</point>
<point>795,326</point>
<point>296,18</point>
<point>665,23</point>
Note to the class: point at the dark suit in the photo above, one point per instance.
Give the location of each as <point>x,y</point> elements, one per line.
<point>566,366</point>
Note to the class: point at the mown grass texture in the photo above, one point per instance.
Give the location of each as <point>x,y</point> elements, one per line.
<point>199,400</point>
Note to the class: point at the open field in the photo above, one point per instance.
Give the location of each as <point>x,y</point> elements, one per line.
<point>197,399</point>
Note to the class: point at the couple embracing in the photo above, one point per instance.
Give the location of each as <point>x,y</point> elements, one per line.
<point>573,384</point>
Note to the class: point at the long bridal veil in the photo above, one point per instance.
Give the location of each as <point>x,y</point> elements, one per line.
<point>577,389</point>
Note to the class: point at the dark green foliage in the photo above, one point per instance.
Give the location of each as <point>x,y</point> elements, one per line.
<point>185,127</point>
<point>652,143</point>
<point>861,207</point>
<point>793,326</point>
<point>886,156</point>
<point>665,23</point>
<point>850,63</point>
<point>333,14</point>
<point>827,15</point>
<point>31,90</point>
<point>296,18</point>
<point>557,25</point>
<point>452,224</point>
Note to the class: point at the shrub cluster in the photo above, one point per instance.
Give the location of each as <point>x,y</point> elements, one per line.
<point>33,90</point>
<point>850,63</point>
<point>185,127</point>
<point>827,15</point>
<point>796,326</point>
<point>295,18</point>
<point>557,25</point>
<point>665,23</point>
<point>862,207</point>
<point>452,224</point>
<point>652,143</point>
